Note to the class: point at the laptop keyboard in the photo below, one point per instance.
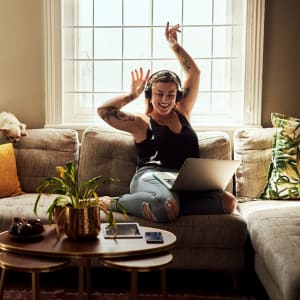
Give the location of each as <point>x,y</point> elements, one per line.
<point>170,180</point>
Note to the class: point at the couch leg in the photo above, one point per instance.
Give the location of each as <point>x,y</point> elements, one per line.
<point>235,280</point>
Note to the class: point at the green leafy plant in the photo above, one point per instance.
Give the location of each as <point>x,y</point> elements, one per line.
<point>71,193</point>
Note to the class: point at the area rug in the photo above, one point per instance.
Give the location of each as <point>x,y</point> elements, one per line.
<point>66,295</point>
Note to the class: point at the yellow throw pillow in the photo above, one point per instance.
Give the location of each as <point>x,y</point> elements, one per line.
<point>9,181</point>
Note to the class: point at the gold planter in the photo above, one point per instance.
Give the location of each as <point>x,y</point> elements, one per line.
<point>82,223</point>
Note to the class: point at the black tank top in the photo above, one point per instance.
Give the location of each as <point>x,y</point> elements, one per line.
<point>166,148</point>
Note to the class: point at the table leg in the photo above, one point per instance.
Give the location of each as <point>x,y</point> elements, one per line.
<point>35,285</point>
<point>88,276</point>
<point>2,282</point>
<point>81,279</point>
<point>163,282</point>
<point>134,284</point>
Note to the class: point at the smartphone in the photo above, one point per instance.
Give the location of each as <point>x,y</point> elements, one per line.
<point>154,237</point>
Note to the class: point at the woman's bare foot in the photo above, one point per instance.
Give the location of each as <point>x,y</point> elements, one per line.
<point>148,214</point>
<point>172,209</point>
<point>229,202</point>
<point>105,201</point>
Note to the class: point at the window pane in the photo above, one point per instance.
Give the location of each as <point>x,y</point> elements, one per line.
<point>78,107</point>
<point>202,109</point>
<point>102,97</point>
<point>237,80</point>
<point>229,11</point>
<point>108,76</point>
<point>137,12</point>
<point>220,103</point>
<point>78,13</point>
<point>108,43</point>
<point>203,105</point>
<point>137,43</point>
<point>161,48</point>
<point>222,41</point>
<point>221,74</point>
<point>205,77</point>
<point>197,12</point>
<point>69,76</point>
<point>78,76</point>
<point>108,13</point>
<point>198,41</point>
<point>236,107</point>
<point>78,43</point>
<point>222,12</point>
<point>238,41</point>
<point>167,10</point>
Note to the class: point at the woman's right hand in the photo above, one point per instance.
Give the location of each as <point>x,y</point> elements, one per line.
<point>138,82</point>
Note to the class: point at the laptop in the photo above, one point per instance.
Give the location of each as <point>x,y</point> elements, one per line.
<point>199,174</point>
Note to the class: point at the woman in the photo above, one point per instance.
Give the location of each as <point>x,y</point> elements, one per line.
<point>164,139</point>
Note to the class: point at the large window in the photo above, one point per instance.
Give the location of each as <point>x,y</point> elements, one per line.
<point>94,44</point>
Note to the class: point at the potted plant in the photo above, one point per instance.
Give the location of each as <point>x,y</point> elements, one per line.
<point>77,205</point>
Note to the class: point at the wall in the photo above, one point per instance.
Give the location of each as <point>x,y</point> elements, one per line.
<point>21,60</point>
<point>22,69</point>
<point>281,74</point>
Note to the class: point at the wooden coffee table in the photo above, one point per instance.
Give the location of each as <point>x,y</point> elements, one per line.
<point>83,251</point>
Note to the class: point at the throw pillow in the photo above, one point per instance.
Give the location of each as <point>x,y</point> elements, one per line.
<point>9,183</point>
<point>283,180</point>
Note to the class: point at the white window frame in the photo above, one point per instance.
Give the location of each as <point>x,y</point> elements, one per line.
<point>253,66</point>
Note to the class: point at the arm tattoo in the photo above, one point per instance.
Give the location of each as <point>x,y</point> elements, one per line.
<point>186,92</point>
<point>127,99</point>
<point>186,65</point>
<point>111,112</point>
<point>184,61</point>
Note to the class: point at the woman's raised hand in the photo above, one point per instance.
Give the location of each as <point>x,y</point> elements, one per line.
<point>171,33</point>
<point>138,81</point>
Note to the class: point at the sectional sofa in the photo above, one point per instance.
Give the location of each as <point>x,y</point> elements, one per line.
<point>211,242</point>
<point>214,242</point>
<point>273,225</point>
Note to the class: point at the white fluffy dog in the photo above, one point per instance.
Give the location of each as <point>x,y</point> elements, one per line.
<point>11,127</point>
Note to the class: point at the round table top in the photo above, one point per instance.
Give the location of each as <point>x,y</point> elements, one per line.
<point>101,247</point>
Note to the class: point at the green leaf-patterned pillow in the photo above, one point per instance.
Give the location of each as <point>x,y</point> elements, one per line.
<point>284,170</point>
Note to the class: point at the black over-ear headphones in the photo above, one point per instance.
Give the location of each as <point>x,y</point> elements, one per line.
<point>163,76</point>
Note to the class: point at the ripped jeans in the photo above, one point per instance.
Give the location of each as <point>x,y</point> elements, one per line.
<point>145,189</point>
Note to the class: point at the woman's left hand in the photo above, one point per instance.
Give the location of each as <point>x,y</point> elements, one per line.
<point>171,34</point>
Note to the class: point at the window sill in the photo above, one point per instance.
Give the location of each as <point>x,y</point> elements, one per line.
<point>217,127</point>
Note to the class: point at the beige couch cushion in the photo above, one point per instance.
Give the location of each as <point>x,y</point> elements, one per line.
<point>112,153</point>
<point>253,147</point>
<point>39,153</point>
<point>275,237</point>
<point>109,153</point>
<point>22,206</point>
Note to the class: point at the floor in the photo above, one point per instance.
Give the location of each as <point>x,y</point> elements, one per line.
<point>178,281</point>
